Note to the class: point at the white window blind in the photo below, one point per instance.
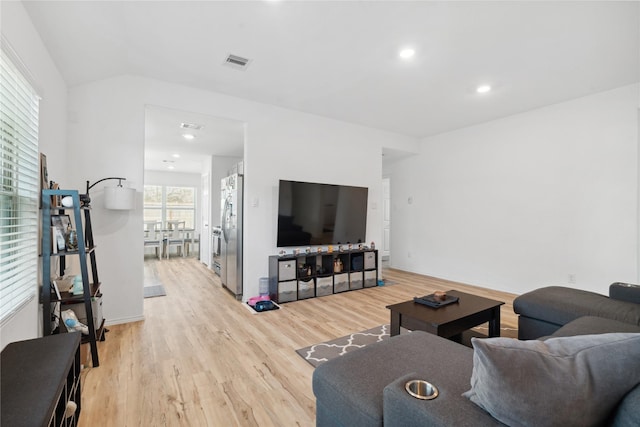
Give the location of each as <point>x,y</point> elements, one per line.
<point>19,189</point>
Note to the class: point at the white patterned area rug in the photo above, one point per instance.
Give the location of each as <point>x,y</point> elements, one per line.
<point>317,354</point>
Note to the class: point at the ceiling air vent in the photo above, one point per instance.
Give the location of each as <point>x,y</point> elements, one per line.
<point>237,62</point>
<point>191,126</point>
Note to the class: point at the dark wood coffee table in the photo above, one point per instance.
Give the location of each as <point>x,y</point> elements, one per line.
<point>448,321</point>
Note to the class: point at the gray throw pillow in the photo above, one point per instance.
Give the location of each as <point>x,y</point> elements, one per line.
<point>565,381</point>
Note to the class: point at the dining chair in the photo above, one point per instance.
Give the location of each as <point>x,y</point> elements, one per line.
<point>153,236</point>
<point>176,236</point>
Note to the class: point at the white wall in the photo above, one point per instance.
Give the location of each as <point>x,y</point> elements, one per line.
<point>172,178</point>
<point>19,32</point>
<point>524,201</point>
<point>107,138</point>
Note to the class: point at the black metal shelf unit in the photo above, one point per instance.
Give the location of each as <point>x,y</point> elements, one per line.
<point>86,247</point>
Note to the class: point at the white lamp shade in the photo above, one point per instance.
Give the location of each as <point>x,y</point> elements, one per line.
<point>119,198</point>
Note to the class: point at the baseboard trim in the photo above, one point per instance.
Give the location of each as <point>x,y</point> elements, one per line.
<point>122,320</point>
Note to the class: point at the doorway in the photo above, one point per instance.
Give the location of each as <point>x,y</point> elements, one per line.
<point>189,150</point>
<point>205,219</point>
<point>386,221</point>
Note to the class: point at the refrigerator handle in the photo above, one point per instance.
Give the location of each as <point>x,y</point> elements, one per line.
<point>226,219</point>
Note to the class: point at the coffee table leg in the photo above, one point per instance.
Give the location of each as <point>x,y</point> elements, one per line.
<point>395,323</point>
<point>494,323</point>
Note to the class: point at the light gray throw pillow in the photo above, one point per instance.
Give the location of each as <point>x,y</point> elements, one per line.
<point>565,381</point>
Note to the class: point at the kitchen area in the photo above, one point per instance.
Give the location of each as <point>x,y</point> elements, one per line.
<point>205,153</point>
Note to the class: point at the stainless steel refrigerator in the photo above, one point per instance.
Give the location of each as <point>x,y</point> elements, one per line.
<point>231,242</point>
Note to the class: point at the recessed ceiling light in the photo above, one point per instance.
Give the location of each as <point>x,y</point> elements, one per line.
<point>483,89</point>
<point>407,53</point>
<point>175,156</point>
<point>188,136</point>
<point>170,167</point>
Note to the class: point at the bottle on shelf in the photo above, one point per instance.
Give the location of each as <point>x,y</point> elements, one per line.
<point>337,265</point>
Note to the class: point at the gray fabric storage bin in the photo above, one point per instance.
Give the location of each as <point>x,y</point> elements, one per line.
<point>287,270</point>
<point>341,282</point>
<point>369,260</point>
<point>288,291</point>
<point>370,279</point>
<point>324,286</point>
<point>306,289</point>
<point>356,280</point>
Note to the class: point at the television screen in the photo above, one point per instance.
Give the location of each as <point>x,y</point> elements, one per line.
<point>321,214</point>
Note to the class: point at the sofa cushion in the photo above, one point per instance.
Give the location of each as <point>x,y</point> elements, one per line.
<point>628,412</point>
<point>520,382</point>
<point>560,305</point>
<point>591,325</point>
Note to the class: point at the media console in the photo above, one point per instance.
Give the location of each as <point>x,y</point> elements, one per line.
<point>309,275</point>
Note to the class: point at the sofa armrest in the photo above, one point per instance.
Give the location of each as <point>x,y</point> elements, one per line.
<point>625,292</point>
<point>450,408</point>
<point>349,388</point>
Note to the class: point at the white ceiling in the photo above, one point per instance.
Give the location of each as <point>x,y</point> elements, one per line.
<point>340,59</point>
<point>166,148</point>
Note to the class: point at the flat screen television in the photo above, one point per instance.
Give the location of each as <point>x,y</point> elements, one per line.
<point>321,214</point>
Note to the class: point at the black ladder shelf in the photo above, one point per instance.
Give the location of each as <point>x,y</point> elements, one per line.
<point>86,247</point>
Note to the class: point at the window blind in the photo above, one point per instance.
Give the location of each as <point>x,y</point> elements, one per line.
<point>19,189</point>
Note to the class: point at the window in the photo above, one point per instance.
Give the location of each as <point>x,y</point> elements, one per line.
<point>19,189</point>
<point>153,203</point>
<point>170,203</point>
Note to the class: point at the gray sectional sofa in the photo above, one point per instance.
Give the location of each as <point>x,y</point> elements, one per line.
<point>366,387</point>
<point>543,311</point>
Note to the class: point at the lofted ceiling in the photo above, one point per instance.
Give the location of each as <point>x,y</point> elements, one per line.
<point>339,59</point>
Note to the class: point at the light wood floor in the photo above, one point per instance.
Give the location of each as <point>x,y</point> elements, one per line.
<point>202,359</point>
